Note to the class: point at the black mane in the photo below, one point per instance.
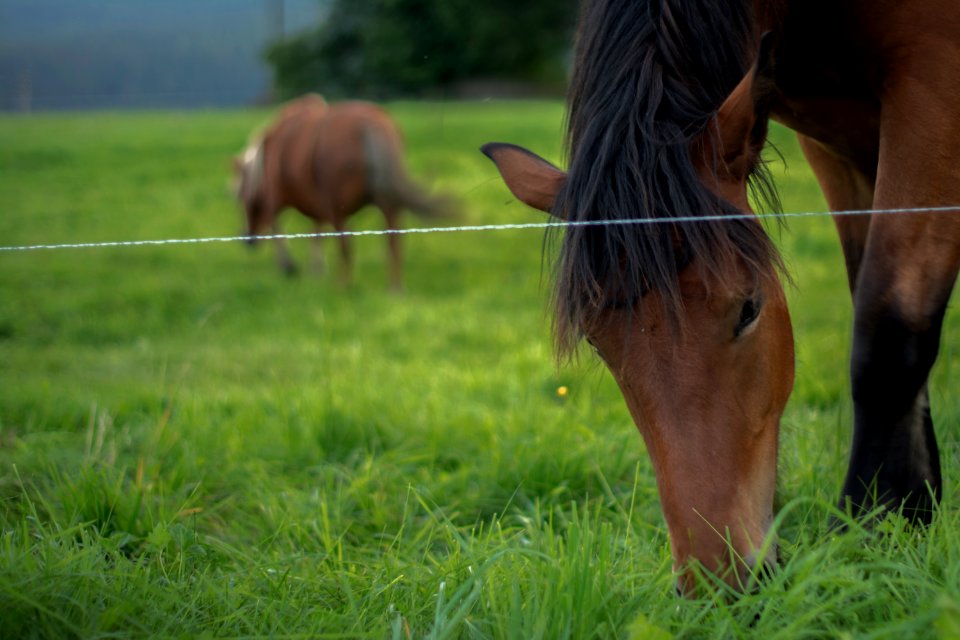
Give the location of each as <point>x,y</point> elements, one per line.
<point>648,76</point>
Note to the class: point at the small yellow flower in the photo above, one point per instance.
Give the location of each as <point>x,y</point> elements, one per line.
<point>562,392</point>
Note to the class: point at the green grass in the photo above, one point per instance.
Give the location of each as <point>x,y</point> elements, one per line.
<point>192,445</point>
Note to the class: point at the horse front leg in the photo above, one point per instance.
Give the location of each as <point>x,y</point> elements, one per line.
<point>318,263</point>
<point>847,185</point>
<point>346,254</point>
<point>284,259</point>
<point>903,285</point>
<point>894,459</point>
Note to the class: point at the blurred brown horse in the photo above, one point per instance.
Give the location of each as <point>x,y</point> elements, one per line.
<point>669,102</point>
<point>328,162</point>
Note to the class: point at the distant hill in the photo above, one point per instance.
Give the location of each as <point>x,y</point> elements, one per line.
<point>82,54</point>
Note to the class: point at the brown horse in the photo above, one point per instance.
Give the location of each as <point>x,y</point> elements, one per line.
<point>328,162</point>
<point>668,108</point>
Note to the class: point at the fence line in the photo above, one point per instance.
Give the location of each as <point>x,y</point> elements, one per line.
<point>483,227</point>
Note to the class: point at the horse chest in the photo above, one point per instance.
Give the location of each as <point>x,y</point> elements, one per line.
<point>835,60</point>
<point>849,126</point>
<point>828,87</point>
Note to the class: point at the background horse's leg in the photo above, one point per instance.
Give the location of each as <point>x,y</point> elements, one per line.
<point>346,254</point>
<point>394,250</point>
<point>317,261</point>
<point>284,259</point>
<point>906,274</point>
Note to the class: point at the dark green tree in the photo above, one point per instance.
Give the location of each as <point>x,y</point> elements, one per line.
<point>381,48</point>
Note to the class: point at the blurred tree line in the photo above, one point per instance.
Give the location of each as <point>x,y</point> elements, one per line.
<point>384,48</point>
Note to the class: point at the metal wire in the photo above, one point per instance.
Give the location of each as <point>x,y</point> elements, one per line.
<point>482,227</point>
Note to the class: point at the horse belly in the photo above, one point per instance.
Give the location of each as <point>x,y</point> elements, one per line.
<point>326,179</point>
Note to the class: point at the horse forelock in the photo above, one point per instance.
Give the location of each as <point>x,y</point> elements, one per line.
<point>251,169</point>
<point>648,77</point>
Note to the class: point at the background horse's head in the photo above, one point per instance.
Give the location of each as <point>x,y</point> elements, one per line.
<point>690,317</point>
<point>248,187</point>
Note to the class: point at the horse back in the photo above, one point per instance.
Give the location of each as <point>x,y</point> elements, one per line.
<point>317,156</point>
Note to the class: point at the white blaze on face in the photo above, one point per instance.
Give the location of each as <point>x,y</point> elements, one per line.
<point>250,154</point>
<point>250,170</point>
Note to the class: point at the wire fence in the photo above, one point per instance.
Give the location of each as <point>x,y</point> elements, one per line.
<point>483,228</point>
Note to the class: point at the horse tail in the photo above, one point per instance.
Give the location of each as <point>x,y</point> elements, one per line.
<point>388,178</point>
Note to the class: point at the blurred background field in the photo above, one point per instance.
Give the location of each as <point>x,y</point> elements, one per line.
<point>192,444</point>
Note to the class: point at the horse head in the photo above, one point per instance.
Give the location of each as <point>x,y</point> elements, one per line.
<point>248,189</point>
<point>689,317</point>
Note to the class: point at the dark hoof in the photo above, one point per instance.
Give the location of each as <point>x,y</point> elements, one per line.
<point>918,509</point>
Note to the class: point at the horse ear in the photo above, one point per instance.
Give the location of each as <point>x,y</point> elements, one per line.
<point>742,118</point>
<point>533,180</point>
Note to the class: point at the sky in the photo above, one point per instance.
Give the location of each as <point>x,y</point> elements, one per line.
<point>77,54</point>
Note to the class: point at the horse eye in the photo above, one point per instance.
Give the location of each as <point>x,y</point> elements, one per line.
<point>748,315</point>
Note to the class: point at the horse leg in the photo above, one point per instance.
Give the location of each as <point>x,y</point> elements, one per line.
<point>394,250</point>
<point>317,261</point>
<point>284,259</point>
<point>905,277</point>
<point>846,187</point>
<point>894,458</point>
<point>346,254</point>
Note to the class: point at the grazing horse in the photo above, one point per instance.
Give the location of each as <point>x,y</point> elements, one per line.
<point>329,161</point>
<point>668,108</point>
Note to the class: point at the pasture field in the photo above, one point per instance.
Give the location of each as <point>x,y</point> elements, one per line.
<point>192,445</point>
